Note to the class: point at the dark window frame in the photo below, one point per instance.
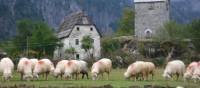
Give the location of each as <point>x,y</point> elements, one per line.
<point>76,41</point>
<point>77,56</point>
<point>78,28</point>
<point>91,29</point>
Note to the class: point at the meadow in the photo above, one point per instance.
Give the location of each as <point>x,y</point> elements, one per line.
<point>116,81</point>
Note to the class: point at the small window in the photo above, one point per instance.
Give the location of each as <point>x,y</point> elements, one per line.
<point>77,28</point>
<point>77,42</point>
<point>77,56</point>
<point>152,6</point>
<point>91,29</point>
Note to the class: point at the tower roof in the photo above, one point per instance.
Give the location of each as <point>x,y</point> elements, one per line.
<point>148,0</point>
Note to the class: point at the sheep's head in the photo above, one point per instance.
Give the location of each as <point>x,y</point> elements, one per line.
<point>166,76</point>
<point>35,76</point>
<point>56,73</point>
<point>7,76</point>
<point>67,75</point>
<point>126,76</point>
<point>94,75</point>
<point>187,76</point>
<point>28,77</point>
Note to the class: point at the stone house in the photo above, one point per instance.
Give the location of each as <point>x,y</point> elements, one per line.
<point>150,16</point>
<point>71,32</point>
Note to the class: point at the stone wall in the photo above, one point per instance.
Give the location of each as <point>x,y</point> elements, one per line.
<point>150,16</point>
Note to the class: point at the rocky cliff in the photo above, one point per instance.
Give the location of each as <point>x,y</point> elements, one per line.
<point>104,13</point>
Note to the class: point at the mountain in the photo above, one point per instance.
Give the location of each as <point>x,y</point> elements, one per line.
<point>184,11</point>
<point>104,13</point>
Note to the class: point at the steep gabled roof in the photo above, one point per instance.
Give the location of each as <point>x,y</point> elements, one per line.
<point>75,18</point>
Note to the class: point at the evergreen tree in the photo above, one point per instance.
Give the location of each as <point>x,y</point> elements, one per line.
<point>126,24</point>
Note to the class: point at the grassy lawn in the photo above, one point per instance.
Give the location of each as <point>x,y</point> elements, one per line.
<point>116,80</point>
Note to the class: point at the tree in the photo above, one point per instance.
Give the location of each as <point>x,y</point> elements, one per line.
<point>71,51</point>
<point>110,46</point>
<point>171,31</point>
<point>25,28</point>
<point>87,44</point>
<point>126,24</point>
<point>171,38</point>
<point>43,40</point>
<point>32,38</point>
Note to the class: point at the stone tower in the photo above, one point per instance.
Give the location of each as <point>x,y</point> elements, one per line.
<point>150,16</point>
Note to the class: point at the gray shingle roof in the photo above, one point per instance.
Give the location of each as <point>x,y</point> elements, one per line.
<point>73,19</point>
<point>77,18</point>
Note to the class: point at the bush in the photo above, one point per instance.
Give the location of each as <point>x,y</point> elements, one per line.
<point>160,61</point>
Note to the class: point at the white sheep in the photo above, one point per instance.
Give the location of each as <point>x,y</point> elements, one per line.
<point>25,69</point>
<point>190,70</point>
<point>196,73</point>
<point>135,69</point>
<point>175,67</point>
<point>6,67</point>
<point>60,68</point>
<point>83,68</point>
<point>101,66</point>
<point>34,61</point>
<point>72,68</point>
<point>43,66</point>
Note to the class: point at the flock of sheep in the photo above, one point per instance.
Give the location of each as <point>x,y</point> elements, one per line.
<point>30,69</point>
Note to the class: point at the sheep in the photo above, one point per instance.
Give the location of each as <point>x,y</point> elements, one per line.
<point>190,70</point>
<point>34,61</point>
<point>25,69</point>
<point>140,68</point>
<point>135,69</point>
<point>83,68</point>
<point>174,67</point>
<point>6,67</point>
<point>101,66</point>
<point>43,66</point>
<point>60,68</point>
<point>196,73</point>
<point>72,68</point>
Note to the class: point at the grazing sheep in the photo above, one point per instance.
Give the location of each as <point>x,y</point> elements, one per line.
<point>72,68</point>
<point>25,69</point>
<point>34,61</point>
<point>6,67</point>
<point>135,69</point>
<point>44,66</point>
<point>83,68</point>
<point>190,70</point>
<point>101,66</point>
<point>175,67</point>
<point>60,68</point>
<point>196,73</point>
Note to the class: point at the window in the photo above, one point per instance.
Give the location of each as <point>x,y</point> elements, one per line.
<point>148,33</point>
<point>91,29</point>
<point>77,28</point>
<point>152,6</point>
<point>77,42</point>
<point>77,56</point>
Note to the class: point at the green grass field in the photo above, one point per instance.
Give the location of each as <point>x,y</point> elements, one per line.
<point>116,80</point>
